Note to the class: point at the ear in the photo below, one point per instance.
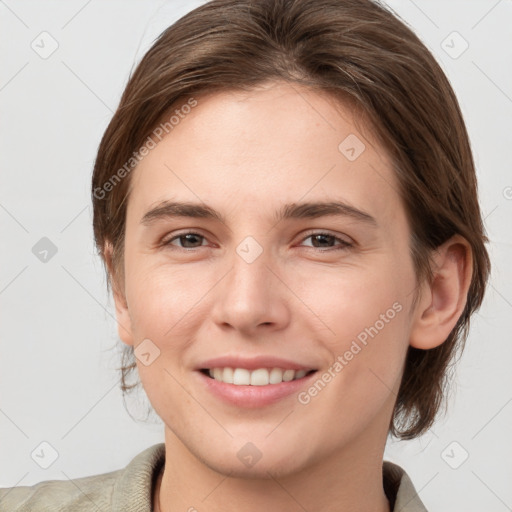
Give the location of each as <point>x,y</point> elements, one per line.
<point>124,323</point>
<point>441,303</point>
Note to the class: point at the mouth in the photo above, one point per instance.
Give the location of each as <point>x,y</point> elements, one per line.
<point>253,382</point>
<point>256,377</point>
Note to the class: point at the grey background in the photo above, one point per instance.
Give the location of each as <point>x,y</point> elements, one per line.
<point>58,339</point>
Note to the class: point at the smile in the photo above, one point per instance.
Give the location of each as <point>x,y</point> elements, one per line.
<point>257,377</point>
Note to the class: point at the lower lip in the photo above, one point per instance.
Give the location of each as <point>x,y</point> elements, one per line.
<point>253,396</point>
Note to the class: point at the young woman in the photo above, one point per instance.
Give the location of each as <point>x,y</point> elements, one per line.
<point>286,204</point>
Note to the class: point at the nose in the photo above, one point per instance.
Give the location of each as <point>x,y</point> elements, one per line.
<point>252,296</point>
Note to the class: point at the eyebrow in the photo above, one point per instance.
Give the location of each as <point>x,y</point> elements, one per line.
<point>309,210</point>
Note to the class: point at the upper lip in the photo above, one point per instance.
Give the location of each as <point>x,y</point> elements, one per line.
<point>252,363</point>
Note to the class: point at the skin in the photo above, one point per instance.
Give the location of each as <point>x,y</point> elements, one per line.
<point>246,154</point>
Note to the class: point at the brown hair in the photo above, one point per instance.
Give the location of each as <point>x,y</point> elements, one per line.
<point>358,52</point>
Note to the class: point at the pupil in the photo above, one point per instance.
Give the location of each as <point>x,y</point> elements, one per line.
<point>321,237</point>
<point>187,239</point>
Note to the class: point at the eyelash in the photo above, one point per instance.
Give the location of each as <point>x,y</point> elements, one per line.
<point>344,245</point>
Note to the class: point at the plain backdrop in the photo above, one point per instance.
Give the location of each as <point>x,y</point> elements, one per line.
<point>58,340</point>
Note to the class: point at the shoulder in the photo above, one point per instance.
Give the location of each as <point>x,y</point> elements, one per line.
<point>400,489</point>
<point>80,494</point>
<point>126,489</point>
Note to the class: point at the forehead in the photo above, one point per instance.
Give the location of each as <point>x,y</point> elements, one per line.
<point>276,144</point>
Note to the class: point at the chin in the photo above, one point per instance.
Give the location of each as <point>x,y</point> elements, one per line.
<point>246,460</point>
<point>261,470</point>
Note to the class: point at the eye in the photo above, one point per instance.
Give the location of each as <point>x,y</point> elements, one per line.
<point>326,238</point>
<point>190,237</point>
<point>321,238</point>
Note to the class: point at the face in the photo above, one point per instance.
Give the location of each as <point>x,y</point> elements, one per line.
<point>326,293</point>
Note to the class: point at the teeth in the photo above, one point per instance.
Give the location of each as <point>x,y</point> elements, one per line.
<point>288,375</point>
<point>276,376</point>
<point>227,375</point>
<point>241,377</point>
<point>259,377</point>
<point>299,374</point>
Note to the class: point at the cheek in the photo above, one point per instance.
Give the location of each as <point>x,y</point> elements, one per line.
<point>168,304</point>
<point>162,299</point>
<point>368,348</point>
<point>364,326</point>
<point>348,301</point>
<point>163,309</point>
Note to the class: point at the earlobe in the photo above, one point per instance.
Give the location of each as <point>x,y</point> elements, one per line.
<point>442,302</point>
<point>124,327</point>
